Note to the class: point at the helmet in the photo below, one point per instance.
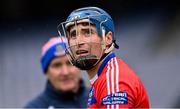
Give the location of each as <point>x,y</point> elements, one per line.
<point>96,16</point>
<point>103,22</point>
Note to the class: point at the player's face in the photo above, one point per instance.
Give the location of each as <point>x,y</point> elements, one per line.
<point>84,40</point>
<point>63,75</point>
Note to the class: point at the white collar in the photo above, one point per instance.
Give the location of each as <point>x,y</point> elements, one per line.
<point>93,79</point>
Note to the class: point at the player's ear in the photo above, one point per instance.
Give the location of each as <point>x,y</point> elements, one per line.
<point>108,38</point>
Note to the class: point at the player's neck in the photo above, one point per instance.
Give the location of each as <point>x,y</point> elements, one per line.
<point>92,72</point>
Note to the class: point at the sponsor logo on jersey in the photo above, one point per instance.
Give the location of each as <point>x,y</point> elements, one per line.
<point>115,98</point>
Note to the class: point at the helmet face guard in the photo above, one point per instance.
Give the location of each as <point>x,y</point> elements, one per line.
<point>85,54</point>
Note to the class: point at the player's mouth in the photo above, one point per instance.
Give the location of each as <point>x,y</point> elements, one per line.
<point>81,53</point>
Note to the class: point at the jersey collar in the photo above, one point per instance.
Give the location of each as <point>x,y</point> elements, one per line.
<point>103,64</point>
<point>105,61</point>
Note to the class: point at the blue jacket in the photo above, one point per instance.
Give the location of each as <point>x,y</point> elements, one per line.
<point>52,98</point>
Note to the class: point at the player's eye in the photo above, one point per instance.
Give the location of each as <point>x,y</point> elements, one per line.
<point>72,34</point>
<point>86,32</point>
<point>93,31</point>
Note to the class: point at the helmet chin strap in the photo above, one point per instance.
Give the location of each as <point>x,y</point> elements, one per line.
<point>104,45</point>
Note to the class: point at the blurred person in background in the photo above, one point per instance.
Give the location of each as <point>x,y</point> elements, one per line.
<point>64,88</point>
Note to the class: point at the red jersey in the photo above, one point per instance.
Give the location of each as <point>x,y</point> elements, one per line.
<point>116,86</point>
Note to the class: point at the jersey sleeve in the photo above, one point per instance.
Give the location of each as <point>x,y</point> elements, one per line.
<point>123,98</point>
<point>142,100</point>
<point>121,88</point>
<point>126,97</point>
